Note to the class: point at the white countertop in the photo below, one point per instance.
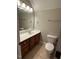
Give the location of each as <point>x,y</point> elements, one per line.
<point>26,35</point>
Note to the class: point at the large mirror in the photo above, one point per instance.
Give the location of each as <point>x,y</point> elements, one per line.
<point>25,15</point>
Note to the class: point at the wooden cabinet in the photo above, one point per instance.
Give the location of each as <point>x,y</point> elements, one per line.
<point>24,47</point>
<point>32,42</point>
<point>29,43</point>
<point>37,37</point>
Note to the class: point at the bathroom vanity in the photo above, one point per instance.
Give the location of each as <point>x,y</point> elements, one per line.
<point>29,36</point>
<point>28,41</point>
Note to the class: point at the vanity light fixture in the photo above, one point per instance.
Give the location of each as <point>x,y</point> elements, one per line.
<point>27,8</point>
<point>23,5</point>
<point>19,3</point>
<point>30,10</point>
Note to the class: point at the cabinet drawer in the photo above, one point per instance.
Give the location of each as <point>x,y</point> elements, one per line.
<point>23,47</point>
<point>24,44</point>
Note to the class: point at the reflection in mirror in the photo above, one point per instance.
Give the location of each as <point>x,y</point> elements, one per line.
<point>25,15</point>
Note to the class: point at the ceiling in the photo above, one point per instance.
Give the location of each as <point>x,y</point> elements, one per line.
<point>45,4</point>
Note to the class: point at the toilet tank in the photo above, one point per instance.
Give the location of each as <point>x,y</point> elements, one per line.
<point>51,38</point>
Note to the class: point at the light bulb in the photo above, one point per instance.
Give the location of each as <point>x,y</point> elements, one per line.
<point>23,5</point>
<point>19,3</point>
<point>31,10</point>
<point>27,8</point>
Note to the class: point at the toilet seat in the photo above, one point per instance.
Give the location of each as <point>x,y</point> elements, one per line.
<point>49,46</point>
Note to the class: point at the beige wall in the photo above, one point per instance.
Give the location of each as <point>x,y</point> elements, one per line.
<point>45,4</point>
<point>48,17</point>
<point>48,21</point>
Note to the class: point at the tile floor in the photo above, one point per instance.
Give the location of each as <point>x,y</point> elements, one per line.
<point>38,52</point>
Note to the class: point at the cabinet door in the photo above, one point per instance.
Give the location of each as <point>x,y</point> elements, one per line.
<point>32,42</point>
<point>24,51</point>
<point>24,47</point>
<point>37,38</point>
<point>24,44</point>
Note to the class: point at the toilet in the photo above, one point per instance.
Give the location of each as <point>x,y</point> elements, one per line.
<point>49,44</point>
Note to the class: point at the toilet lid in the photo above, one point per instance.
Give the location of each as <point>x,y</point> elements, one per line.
<point>49,46</point>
